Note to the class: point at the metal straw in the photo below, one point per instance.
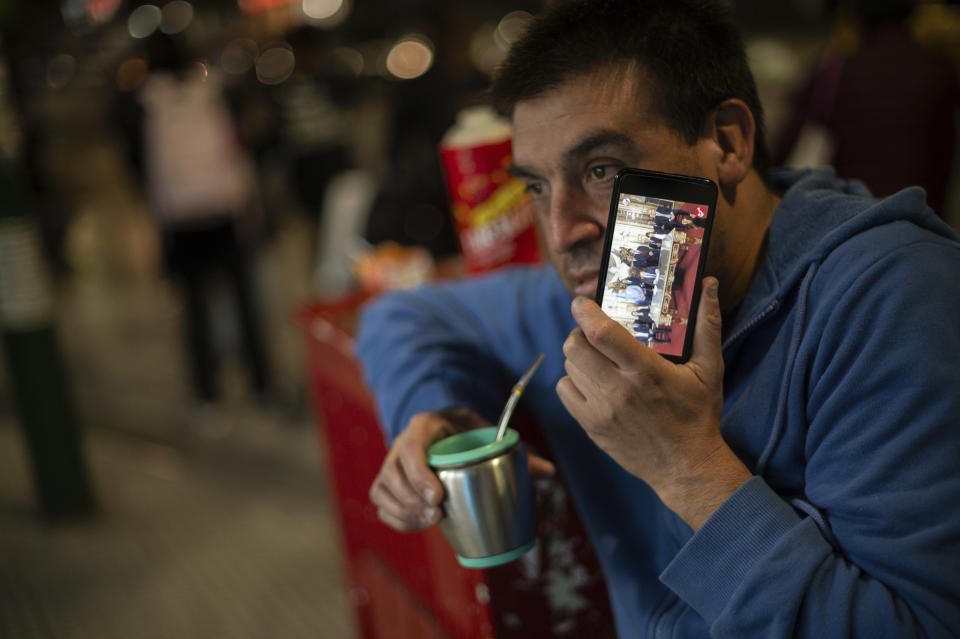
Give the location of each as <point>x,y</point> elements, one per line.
<point>515,394</point>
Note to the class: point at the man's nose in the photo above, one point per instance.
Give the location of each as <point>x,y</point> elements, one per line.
<point>573,218</point>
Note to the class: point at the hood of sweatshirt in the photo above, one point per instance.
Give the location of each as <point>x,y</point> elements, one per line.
<point>817,213</point>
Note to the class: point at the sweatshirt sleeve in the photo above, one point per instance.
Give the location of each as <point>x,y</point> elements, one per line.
<point>459,345</point>
<point>875,551</point>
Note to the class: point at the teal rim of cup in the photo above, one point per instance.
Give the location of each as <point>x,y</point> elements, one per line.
<point>470,446</point>
<point>496,560</point>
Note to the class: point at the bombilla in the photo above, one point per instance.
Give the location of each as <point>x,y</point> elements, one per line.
<point>515,394</point>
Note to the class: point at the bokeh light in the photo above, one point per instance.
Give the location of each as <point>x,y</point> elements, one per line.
<point>130,74</point>
<point>176,16</point>
<point>101,10</point>
<point>239,56</point>
<point>198,71</point>
<point>485,53</point>
<point>144,20</point>
<point>410,58</point>
<point>60,70</point>
<point>321,9</point>
<point>326,14</point>
<point>490,42</point>
<point>512,26</point>
<point>276,64</point>
<point>772,61</point>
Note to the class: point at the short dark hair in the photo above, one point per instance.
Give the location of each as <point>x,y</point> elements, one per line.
<point>691,50</point>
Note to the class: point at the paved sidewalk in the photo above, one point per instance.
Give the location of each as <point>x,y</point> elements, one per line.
<point>188,544</point>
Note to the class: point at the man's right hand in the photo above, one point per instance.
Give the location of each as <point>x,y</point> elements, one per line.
<point>406,492</point>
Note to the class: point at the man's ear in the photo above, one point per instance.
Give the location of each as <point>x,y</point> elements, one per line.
<point>732,128</point>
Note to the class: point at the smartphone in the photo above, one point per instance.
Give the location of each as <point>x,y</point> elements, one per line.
<point>654,255</point>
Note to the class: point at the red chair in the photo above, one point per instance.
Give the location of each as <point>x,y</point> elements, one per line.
<point>409,585</point>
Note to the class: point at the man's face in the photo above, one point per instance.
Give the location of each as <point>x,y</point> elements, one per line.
<point>569,143</point>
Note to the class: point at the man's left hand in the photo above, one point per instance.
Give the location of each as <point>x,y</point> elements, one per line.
<point>659,420</point>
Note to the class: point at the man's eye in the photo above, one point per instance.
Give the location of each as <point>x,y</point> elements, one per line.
<point>534,188</point>
<point>602,171</point>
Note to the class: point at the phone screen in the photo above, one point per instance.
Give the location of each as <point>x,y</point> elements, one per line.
<point>655,252</point>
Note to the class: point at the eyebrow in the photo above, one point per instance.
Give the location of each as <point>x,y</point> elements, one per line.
<point>592,142</point>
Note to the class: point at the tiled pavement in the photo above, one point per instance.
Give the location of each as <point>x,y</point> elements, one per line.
<point>187,545</point>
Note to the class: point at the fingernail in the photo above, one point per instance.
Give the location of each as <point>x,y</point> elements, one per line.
<point>429,513</point>
<point>428,494</point>
<point>712,290</point>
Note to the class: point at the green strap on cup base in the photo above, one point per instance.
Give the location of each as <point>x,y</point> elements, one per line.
<point>496,560</point>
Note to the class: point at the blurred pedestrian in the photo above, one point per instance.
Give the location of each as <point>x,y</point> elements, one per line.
<point>889,107</point>
<point>201,187</point>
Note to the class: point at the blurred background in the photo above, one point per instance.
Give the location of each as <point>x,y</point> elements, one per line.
<point>179,179</point>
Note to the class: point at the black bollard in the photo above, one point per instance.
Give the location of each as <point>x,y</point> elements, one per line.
<point>36,370</point>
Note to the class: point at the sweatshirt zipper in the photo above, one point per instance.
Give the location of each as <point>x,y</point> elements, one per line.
<point>749,326</point>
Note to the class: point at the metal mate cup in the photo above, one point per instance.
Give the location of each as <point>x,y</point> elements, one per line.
<point>489,500</point>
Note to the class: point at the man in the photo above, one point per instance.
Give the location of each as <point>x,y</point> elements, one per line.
<point>654,240</point>
<point>647,275</point>
<point>640,293</point>
<point>784,481</point>
<point>666,219</point>
<point>646,256</point>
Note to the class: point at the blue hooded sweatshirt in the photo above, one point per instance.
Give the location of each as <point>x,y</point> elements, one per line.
<point>841,394</point>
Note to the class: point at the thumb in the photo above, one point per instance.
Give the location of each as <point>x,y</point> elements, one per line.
<point>707,357</point>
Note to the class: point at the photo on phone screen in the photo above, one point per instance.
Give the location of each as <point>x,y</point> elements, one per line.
<point>655,251</point>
